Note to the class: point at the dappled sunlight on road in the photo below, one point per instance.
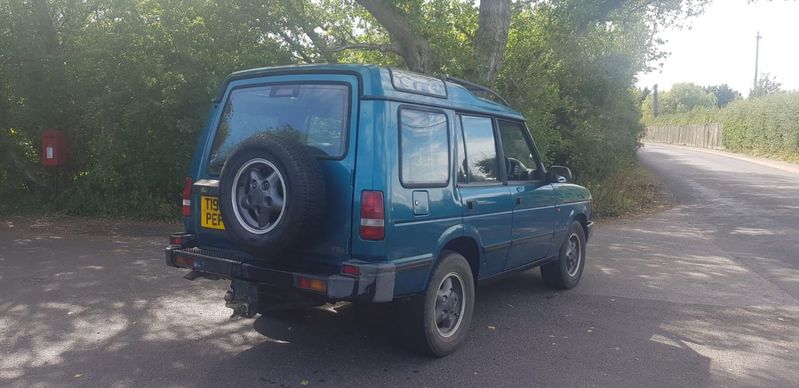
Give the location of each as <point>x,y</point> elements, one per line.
<point>662,258</point>
<point>756,347</point>
<point>742,322</point>
<point>38,344</point>
<point>63,315</point>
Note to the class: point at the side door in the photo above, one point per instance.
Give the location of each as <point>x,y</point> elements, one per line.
<point>533,198</point>
<point>487,202</point>
<point>423,204</point>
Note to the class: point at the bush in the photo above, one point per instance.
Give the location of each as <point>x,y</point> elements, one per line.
<point>627,190</point>
<point>767,125</point>
<point>699,115</point>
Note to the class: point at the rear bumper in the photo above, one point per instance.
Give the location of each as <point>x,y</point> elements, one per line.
<point>374,284</point>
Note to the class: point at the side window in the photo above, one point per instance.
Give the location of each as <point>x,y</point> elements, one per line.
<point>424,148</point>
<point>481,149</point>
<point>520,159</point>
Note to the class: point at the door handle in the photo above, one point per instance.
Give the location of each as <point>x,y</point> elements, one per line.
<point>471,205</point>
<point>518,201</point>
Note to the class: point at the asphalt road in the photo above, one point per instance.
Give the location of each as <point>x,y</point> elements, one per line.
<point>703,294</point>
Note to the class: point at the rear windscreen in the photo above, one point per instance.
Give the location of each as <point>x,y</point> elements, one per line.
<point>313,114</point>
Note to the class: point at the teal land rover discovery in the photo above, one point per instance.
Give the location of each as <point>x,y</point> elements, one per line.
<point>325,183</point>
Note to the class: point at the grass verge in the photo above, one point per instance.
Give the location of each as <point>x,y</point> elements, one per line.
<point>629,191</point>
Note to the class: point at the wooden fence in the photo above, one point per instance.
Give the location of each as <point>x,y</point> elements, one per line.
<point>700,135</point>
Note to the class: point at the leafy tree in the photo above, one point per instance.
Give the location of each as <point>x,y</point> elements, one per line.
<point>682,98</point>
<point>402,19</point>
<point>724,94</point>
<point>129,81</point>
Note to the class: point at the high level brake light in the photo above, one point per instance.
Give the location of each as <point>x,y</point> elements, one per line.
<point>187,197</point>
<point>373,215</point>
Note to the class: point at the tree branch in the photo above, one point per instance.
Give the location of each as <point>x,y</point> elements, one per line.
<point>299,12</point>
<point>414,50</point>
<point>367,46</point>
<point>295,47</point>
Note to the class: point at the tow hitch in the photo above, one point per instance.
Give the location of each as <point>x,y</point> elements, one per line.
<point>242,298</point>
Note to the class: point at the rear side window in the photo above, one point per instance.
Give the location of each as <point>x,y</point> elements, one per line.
<point>314,114</point>
<point>481,149</point>
<point>424,148</point>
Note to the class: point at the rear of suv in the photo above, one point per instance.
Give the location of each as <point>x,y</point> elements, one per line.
<point>325,183</point>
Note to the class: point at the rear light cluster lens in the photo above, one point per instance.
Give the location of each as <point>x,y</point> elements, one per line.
<point>187,197</point>
<point>181,239</point>
<point>312,284</point>
<point>184,261</point>
<point>373,215</point>
<point>351,270</point>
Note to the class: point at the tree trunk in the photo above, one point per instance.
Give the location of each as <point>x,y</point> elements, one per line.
<point>414,50</point>
<point>492,37</point>
<point>43,22</point>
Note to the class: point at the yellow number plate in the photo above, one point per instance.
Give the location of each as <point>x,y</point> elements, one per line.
<point>209,211</point>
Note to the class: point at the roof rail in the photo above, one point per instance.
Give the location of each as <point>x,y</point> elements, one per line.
<point>473,87</point>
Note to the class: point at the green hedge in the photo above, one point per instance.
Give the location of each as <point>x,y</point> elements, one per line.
<point>767,125</point>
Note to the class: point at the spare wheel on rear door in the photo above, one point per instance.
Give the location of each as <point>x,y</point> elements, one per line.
<point>271,194</point>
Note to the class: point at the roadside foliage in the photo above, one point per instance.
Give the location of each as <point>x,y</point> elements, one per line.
<point>130,81</point>
<point>766,125</point>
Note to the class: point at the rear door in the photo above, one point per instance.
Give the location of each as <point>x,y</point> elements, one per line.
<point>487,203</point>
<point>322,111</point>
<point>423,203</point>
<point>533,198</point>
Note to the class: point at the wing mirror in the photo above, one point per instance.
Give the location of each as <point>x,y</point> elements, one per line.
<point>559,174</point>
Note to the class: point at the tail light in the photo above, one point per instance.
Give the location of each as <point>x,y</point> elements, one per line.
<point>181,239</point>
<point>373,215</point>
<point>312,284</point>
<point>349,269</point>
<point>187,197</point>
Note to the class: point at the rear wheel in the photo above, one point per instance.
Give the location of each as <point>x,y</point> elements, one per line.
<point>566,272</point>
<point>440,317</point>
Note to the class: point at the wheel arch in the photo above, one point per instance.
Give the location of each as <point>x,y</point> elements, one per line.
<point>468,248</point>
<point>582,219</point>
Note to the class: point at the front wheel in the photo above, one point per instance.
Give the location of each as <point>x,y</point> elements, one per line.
<point>566,272</point>
<point>440,317</point>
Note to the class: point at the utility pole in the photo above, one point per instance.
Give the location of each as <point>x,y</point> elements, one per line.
<point>757,56</point>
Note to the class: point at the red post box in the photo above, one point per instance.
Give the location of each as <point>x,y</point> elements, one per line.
<point>54,151</point>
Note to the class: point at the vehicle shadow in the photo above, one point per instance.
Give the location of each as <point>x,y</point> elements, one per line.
<point>522,334</point>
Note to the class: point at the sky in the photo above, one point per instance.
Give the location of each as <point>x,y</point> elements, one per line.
<point>719,46</point>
